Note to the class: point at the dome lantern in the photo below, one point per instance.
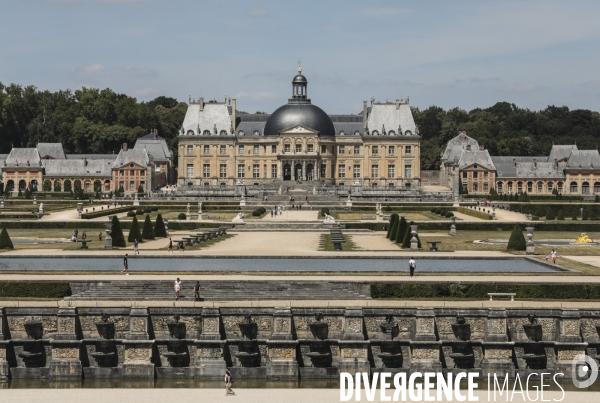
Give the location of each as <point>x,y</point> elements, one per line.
<point>299,85</point>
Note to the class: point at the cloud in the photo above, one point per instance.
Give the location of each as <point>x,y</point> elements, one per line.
<point>255,95</point>
<point>257,12</point>
<point>523,87</point>
<point>97,70</point>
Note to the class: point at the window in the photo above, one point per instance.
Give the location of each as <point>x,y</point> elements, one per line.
<point>342,149</point>
<point>391,171</point>
<point>356,171</point>
<point>121,184</point>
<point>499,187</point>
<point>273,170</point>
<point>223,133</point>
<point>323,149</point>
<point>273,149</point>
<point>596,187</point>
<point>131,172</point>
<point>190,150</point>
<point>310,148</point>
<point>356,150</point>
<point>122,172</point>
<point>256,171</point>
<point>190,170</point>
<point>223,150</point>
<point>341,171</point>
<point>408,149</point>
<point>391,150</point>
<point>550,186</point>
<point>475,187</point>
<point>464,186</point>
<point>132,185</point>
<point>559,188</point>
<point>256,150</point>
<point>206,170</point>
<point>540,187</point>
<point>585,188</point>
<point>241,149</point>
<point>529,187</point>
<point>486,188</point>
<point>142,172</point>
<point>573,187</point>
<point>509,187</point>
<point>475,173</point>
<point>519,187</point>
<point>485,175</point>
<point>298,148</point>
<point>223,170</point>
<point>241,171</point>
<point>206,149</point>
<point>408,171</point>
<point>286,148</point>
<point>375,150</point>
<point>375,171</point>
<point>323,170</point>
<point>465,175</point>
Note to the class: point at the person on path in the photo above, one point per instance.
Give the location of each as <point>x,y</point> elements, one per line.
<point>197,291</point>
<point>125,266</point>
<point>177,288</point>
<point>76,233</point>
<point>83,236</point>
<point>135,247</point>
<point>412,265</point>
<point>181,248</point>
<point>100,236</point>
<point>170,246</point>
<point>228,382</point>
<point>553,256</point>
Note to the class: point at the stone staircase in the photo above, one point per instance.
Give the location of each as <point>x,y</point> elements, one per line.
<point>218,290</point>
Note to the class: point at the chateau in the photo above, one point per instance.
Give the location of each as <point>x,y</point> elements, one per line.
<point>379,147</point>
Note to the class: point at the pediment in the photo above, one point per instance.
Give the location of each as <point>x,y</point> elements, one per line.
<point>299,129</point>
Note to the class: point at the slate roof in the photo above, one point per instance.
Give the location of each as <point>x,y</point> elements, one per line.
<point>137,156</point>
<point>52,150</point>
<point>213,114</point>
<point>481,158</point>
<point>111,157</point>
<point>505,165</point>
<point>584,159</point>
<point>20,157</point>
<point>71,168</point>
<point>529,170</point>
<point>560,152</point>
<point>456,146</point>
<point>387,114</point>
<point>348,128</point>
<point>157,147</point>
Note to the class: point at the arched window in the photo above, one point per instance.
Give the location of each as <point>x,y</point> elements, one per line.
<point>392,133</point>
<point>190,133</point>
<point>596,187</point>
<point>551,186</point>
<point>585,188</point>
<point>357,133</point>
<point>408,133</point>
<point>206,132</point>
<point>509,187</point>
<point>519,187</point>
<point>240,133</point>
<point>559,187</point>
<point>375,133</point>
<point>529,187</point>
<point>256,133</point>
<point>342,133</point>
<point>57,186</point>
<point>223,133</point>
<point>499,186</point>
<point>573,187</point>
<point>540,187</point>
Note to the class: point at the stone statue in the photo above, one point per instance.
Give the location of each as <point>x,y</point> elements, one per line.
<point>199,207</point>
<point>188,208</point>
<point>215,128</point>
<point>329,218</point>
<point>41,208</point>
<point>238,218</point>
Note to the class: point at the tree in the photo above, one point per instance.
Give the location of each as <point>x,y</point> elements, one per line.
<point>134,231</point>
<point>117,233</point>
<point>540,211</point>
<point>148,232</point>
<point>406,238</point>
<point>597,199</point>
<point>159,227</point>
<point>393,220</point>
<point>5,241</point>
<point>120,191</point>
<point>401,230</point>
<point>47,185</point>
<point>27,194</point>
<point>140,190</point>
<point>561,215</point>
<point>517,240</point>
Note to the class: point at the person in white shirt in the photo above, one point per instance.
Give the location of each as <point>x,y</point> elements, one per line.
<point>177,288</point>
<point>412,265</point>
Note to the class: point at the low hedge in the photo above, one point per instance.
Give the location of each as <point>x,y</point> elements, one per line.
<point>577,226</point>
<point>480,290</point>
<point>474,213</point>
<point>105,212</point>
<point>31,289</point>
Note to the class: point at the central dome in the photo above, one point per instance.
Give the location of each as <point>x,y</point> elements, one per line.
<point>299,111</point>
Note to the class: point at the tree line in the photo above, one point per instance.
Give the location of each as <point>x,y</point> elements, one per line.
<point>505,129</point>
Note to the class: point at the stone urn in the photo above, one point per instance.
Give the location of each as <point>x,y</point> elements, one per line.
<point>105,329</point>
<point>248,328</point>
<point>318,327</point>
<point>34,329</point>
<point>389,327</point>
<point>176,328</point>
<point>461,351</point>
<point>533,330</point>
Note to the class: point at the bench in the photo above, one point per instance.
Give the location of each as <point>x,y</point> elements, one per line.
<point>368,217</point>
<point>84,243</point>
<point>179,242</point>
<point>502,294</point>
<point>433,245</point>
<point>188,240</point>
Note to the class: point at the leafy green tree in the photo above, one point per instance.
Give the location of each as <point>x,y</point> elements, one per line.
<point>5,241</point>
<point>406,238</point>
<point>517,239</point>
<point>148,232</point>
<point>159,227</point>
<point>393,220</point>
<point>540,211</point>
<point>47,185</point>
<point>117,233</point>
<point>134,231</point>
<point>140,190</point>
<point>120,191</point>
<point>401,230</point>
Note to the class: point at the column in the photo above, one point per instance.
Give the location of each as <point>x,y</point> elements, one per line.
<point>282,362</point>
<point>280,169</point>
<point>209,360</point>
<point>138,347</point>
<point>304,170</point>
<point>66,348</point>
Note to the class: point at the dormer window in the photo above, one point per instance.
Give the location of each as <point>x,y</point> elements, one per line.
<point>256,133</point>
<point>223,133</point>
<point>342,133</point>
<point>206,132</point>
<point>375,133</point>
<point>190,132</point>
<point>241,133</point>
<point>357,133</point>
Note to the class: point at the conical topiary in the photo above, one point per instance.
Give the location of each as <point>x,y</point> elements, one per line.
<point>406,239</point>
<point>401,230</point>
<point>159,227</point>
<point>517,240</point>
<point>134,231</point>
<point>117,233</point>
<point>5,241</point>
<point>540,211</point>
<point>393,220</point>
<point>148,232</point>
<point>560,215</point>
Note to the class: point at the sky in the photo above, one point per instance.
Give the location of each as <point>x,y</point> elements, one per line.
<point>467,54</point>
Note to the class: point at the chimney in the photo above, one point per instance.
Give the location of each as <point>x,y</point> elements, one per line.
<point>468,147</point>
<point>364,115</point>
<point>514,162</point>
<point>481,147</point>
<point>201,103</point>
<point>124,146</point>
<point>555,163</point>
<point>397,104</point>
<point>534,163</point>
<point>233,114</point>
<point>85,162</point>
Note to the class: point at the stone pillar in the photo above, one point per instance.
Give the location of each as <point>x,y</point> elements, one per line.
<point>282,347</point>
<point>425,349</point>
<point>4,345</point>
<point>303,170</point>
<point>453,226</point>
<point>354,348</point>
<point>138,347</point>
<point>210,361</point>
<point>530,245</point>
<point>569,343</point>
<point>498,351</point>
<point>66,362</point>
<point>280,169</point>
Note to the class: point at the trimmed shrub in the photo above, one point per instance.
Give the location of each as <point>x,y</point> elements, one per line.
<point>394,228</point>
<point>574,218</point>
<point>117,233</point>
<point>393,219</point>
<point>437,210</point>
<point>131,214</point>
<point>406,239</point>
<point>154,208</point>
<point>147,209</point>
<point>443,212</point>
<point>561,215</point>
<point>535,218</point>
<point>540,211</point>
<point>181,216</point>
<point>5,241</point>
<point>597,199</point>
<point>159,227</point>
<point>139,212</point>
<point>148,232</point>
<point>401,230</point>
<point>586,214</point>
<point>324,211</point>
<point>134,231</point>
<point>387,208</point>
<point>31,289</point>
<point>517,240</point>
<point>449,214</point>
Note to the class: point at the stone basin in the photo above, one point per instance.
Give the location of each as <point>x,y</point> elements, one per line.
<point>319,359</point>
<point>534,361</point>
<point>319,329</point>
<point>28,355</point>
<point>247,359</point>
<point>533,331</point>
<point>106,330</point>
<point>248,329</point>
<point>34,329</point>
<point>389,328</point>
<point>177,329</point>
<point>390,360</point>
<point>462,360</point>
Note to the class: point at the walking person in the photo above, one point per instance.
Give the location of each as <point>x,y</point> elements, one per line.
<point>125,266</point>
<point>412,265</point>
<point>197,291</point>
<point>228,382</point>
<point>181,248</point>
<point>170,246</point>
<point>135,247</point>
<point>100,236</point>
<point>553,256</point>
<point>177,288</point>
<point>83,236</point>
